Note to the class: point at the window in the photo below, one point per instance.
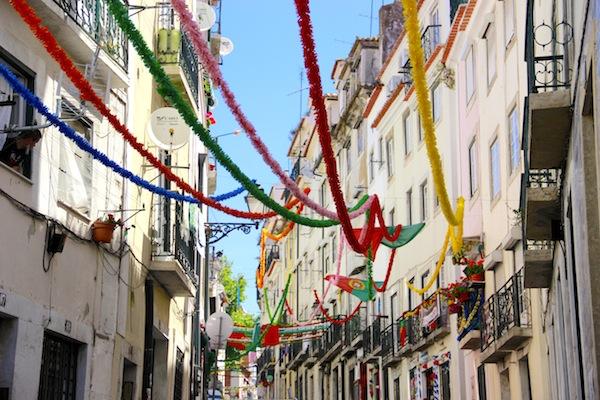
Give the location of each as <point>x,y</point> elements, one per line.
<point>424,193</point>
<point>515,143</point>
<point>407,135</point>
<point>333,248</point>
<point>410,293</point>
<point>322,192</point>
<point>434,19</point>
<point>391,217</point>
<point>473,168</point>
<point>371,168</point>
<point>325,258</point>
<point>75,165</point>
<point>495,168</point>
<point>436,102</point>
<point>393,304</point>
<point>481,382</point>
<point>419,128</point>
<point>58,373</point>
<point>16,147</point>
<point>490,50</point>
<point>509,20</point>
<point>178,384</point>
<point>445,380</point>
<point>348,159</point>
<point>360,140</point>
<point>389,149</point>
<point>424,280</point>
<point>409,207</point>
<point>381,155</point>
<point>470,74</point>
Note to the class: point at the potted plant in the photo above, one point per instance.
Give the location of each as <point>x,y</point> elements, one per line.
<point>474,270</point>
<point>458,293</point>
<point>103,228</point>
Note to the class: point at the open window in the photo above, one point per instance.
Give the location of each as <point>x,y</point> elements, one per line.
<point>17,137</point>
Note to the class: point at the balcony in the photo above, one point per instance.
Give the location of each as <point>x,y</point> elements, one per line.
<point>539,263</point>
<point>353,334</point>
<point>469,334</point>
<point>430,40</point>
<point>176,53</point>
<point>506,320</point>
<point>298,352</point>
<point>549,41</point>
<point>427,326</point>
<point>332,342</point>
<point>273,256</point>
<point>266,359</point>
<point>390,345</point>
<point>542,203</point>
<point>314,352</point>
<point>83,26</point>
<point>372,340</point>
<point>172,262</point>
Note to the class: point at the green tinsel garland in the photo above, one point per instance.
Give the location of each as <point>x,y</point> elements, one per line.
<point>170,93</point>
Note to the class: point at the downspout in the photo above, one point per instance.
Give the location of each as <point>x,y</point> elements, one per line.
<point>148,341</point>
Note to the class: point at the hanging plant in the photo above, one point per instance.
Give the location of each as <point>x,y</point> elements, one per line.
<point>103,228</point>
<point>474,270</point>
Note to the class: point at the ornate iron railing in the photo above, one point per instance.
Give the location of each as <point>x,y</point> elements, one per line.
<point>542,178</point>
<point>376,332</point>
<point>184,244</point>
<point>549,39</point>
<point>94,18</point>
<point>367,345</point>
<point>353,329</point>
<point>430,39</point>
<point>509,307</point>
<point>265,359</point>
<point>190,65</point>
<point>390,341</point>
<point>273,255</point>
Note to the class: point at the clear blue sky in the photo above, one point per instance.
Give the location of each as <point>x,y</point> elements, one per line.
<point>263,69</point>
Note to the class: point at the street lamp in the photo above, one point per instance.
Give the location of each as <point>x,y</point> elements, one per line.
<point>235,133</point>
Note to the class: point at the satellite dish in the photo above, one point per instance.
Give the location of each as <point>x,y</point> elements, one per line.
<point>167,129</point>
<point>218,328</point>
<point>226,46</point>
<point>206,16</point>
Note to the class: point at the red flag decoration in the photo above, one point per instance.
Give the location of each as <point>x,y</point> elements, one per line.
<point>375,239</point>
<point>271,337</point>
<point>237,344</point>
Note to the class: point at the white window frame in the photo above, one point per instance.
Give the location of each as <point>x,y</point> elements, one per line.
<point>473,154</point>
<point>490,52</point>
<point>495,175</point>
<point>514,141</point>
<point>470,74</point>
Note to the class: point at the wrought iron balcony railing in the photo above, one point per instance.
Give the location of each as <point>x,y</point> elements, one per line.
<point>93,17</point>
<point>549,41</point>
<point>353,329</point>
<point>509,307</point>
<point>190,65</point>
<point>184,244</point>
<point>273,255</point>
<point>376,332</point>
<point>542,178</point>
<point>430,39</point>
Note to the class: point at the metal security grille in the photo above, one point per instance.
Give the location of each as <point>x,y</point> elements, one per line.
<point>178,393</point>
<point>58,375</point>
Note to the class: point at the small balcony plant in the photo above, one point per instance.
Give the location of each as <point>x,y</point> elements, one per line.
<point>474,270</point>
<point>103,228</point>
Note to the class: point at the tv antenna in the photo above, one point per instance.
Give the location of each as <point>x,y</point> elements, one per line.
<point>300,91</point>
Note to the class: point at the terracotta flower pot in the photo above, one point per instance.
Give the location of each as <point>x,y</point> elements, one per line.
<point>480,277</point>
<point>464,297</point>
<point>102,232</point>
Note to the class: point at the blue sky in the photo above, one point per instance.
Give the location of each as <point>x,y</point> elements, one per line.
<point>263,70</point>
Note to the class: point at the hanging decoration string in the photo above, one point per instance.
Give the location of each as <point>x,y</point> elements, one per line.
<point>51,45</point>
<point>417,61</point>
<point>82,143</point>
<point>166,89</point>
<point>336,321</point>
<point>191,28</point>
<point>230,195</point>
<point>438,267</point>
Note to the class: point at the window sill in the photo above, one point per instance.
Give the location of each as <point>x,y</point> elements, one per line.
<point>495,200</point>
<point>70,209</point>
<point>17,174</point>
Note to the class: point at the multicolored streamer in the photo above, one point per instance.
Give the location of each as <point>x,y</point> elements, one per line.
<point>166,89</point>
<point>87,93</point>
<point>191,28</point>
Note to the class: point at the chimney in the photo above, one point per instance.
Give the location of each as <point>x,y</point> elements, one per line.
<point>391,24</point>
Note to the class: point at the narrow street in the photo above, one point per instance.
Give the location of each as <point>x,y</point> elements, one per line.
<point>299,200</point>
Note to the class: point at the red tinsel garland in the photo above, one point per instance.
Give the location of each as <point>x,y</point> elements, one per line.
<point>316,95</point>
<point>87,93</point>
<point>334,320</point>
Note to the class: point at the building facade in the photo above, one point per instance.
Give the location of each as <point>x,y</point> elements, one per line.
<point>121,319</point>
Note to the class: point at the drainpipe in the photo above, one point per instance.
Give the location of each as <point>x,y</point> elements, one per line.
<point>148,341</point>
